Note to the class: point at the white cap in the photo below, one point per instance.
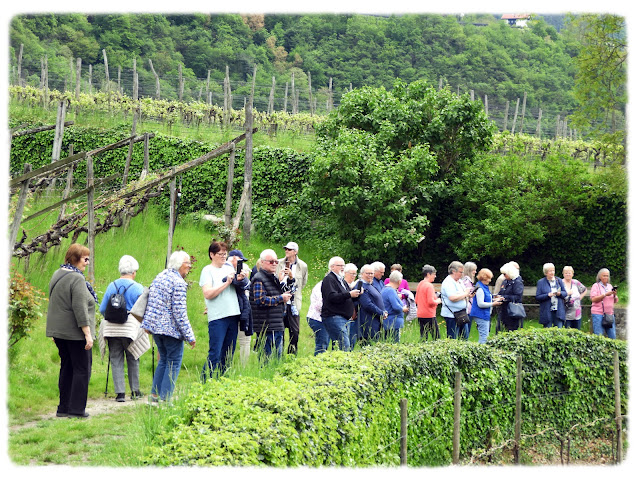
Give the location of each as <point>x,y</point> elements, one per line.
<point>291,246</point>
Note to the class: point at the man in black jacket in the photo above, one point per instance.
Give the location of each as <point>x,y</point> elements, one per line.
<point>267,304</point>
<point>337,305</point>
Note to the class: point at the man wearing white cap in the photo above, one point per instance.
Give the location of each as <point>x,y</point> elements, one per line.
<point>293,267</point>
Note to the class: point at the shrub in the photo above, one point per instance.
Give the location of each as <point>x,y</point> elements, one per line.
<point>343,408</point>
<point>24,304</point>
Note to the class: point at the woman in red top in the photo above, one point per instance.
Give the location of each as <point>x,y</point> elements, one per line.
<point>427,301</point>
<point>603,297</point>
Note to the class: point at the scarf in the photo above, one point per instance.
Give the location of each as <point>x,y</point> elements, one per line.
<point>68,266</point>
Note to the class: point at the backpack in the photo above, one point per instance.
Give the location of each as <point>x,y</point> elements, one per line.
<point>116,311</point>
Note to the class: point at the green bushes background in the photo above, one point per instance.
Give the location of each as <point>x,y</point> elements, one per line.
<point>343,408</point>
<point>499,208</point>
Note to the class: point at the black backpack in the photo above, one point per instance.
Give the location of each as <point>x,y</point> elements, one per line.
<point>116,311</point>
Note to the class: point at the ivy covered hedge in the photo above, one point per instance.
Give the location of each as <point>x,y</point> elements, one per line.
<point>343,408</point>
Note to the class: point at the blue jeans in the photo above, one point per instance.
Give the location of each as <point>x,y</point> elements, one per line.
<point>573,323</point>
<point>223,334</point>
<point>337,328</point>
<point>483,328</point>
<point>352,329</point>
<point>321,334</point>
<point>164,379</point>
<point>273,342</point>
<point>598,329</point>
<point>454,331</point>
<point>554,321</point>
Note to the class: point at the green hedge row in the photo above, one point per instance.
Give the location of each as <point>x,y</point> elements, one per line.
<point>276,171</point>
<point>343,408</point>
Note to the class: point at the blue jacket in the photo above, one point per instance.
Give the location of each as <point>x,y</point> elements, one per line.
<point>542,296</point>
<point>371,308</point>
<point>246,317</point>
<point>478,311</point>
<point>394,306</point>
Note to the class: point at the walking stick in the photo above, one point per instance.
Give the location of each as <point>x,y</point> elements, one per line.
<point>107,384</point>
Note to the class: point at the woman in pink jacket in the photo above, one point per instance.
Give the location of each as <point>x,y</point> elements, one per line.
<point>603,297</point>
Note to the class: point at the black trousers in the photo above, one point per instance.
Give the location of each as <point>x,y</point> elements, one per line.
<point>75,373</point>
<point>429,325</point>
<point>292,323</point>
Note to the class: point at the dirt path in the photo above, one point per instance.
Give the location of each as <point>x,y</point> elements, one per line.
<point>95,406</point>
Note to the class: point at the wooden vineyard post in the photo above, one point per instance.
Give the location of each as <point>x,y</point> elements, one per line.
<point>130,152</point>
<point>67,188</point>
<point>616,381</point>
<point>310,94</point>
<point>515,117</point>
<point>538,127</point>
<point>157,79</point>
<point>403,432</point>
<point>78,79</point>
<point>456,418</point>
<point>524,107</point>
<point>172,215</point>
<point>506,117</point>
<point>22,198</point>
<point>229,197</point>
<point>518,413</point>
<point>248,161</point>
<point>91,220</point>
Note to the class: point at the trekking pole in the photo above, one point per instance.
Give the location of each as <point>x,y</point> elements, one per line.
<point>106,385</point>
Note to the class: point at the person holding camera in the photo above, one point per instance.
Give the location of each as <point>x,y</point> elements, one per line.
<point>550,293</point>
<point>293,268</point>
<point>223,308</point>
<point>482,304</point>
<point>454,297</point>
<point>428,301</point>
<point>603,298</point>
<point>337,303</point>
<point>575,293</point>
<point>268,297</point>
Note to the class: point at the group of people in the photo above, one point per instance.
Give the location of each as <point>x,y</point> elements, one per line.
<point>266,300</point>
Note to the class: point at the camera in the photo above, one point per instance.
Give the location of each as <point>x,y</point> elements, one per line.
<point>615,287</point>
<point>359,285</point>
<point>438,294</point>
<point>473,290</point>
<point>239,267</point>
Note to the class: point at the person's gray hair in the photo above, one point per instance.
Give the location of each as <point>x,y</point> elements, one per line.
<point>427,269</point>
<point>334,260</point>
<point>363,267</point>
<point>378,266</point>
<point>454,267</point>
<point>177,258</point>
<point>468,268</point>
<point>547,266</point>
<point>269,252</point>
<point>600,272</point>
<point>395,276</point>
<point>127,265</point>
<point>350,267</point>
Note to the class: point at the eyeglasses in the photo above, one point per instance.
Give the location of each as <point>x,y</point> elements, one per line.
<point>367,273</point>
<point>336,265</point>
<point>222,254</point>
<point>272,262</point>
<point>188,264</point>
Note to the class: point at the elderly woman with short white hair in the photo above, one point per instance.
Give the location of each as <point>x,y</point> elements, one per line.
<point>166,319</point>
<point>575,293</point>
<point>603,298</point>
<point>550,293</point>
<point>511,291</point>
<point>394,307</point>
<point>120,335</point>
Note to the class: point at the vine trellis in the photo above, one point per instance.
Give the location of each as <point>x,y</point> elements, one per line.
<point>116,208</point>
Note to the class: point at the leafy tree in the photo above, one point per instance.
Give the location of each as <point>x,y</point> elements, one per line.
<point>600,84</point>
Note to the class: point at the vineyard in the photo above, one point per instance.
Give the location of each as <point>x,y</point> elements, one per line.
<point>199,114</point>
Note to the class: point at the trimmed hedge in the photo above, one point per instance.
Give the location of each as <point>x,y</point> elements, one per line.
<point>343,408</point>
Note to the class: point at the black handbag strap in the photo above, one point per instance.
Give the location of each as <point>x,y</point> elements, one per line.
<point>56,282</point>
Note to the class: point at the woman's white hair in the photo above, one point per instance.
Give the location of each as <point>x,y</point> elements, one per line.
<point>454,267</point>
<point>177,258</point>
<point>269,252</point>
<point>350,267</point>
<point>600,272</point>
<point>127,265</point>
<point>547,266</point>
<point>395,276</point>
<point>510,270</point>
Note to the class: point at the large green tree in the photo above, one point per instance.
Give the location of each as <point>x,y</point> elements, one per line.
<point>601,77</point>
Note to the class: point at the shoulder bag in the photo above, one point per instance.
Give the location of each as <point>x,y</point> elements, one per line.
<point>607,318</point>
<point>461,316</point>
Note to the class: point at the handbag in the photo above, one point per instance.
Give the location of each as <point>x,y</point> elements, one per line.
<point>140,306</point>
<point>607,318</point>
<point>461,317</point>
<point>516,310</point>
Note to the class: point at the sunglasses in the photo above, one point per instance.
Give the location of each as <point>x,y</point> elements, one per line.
<point>272,262</point>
